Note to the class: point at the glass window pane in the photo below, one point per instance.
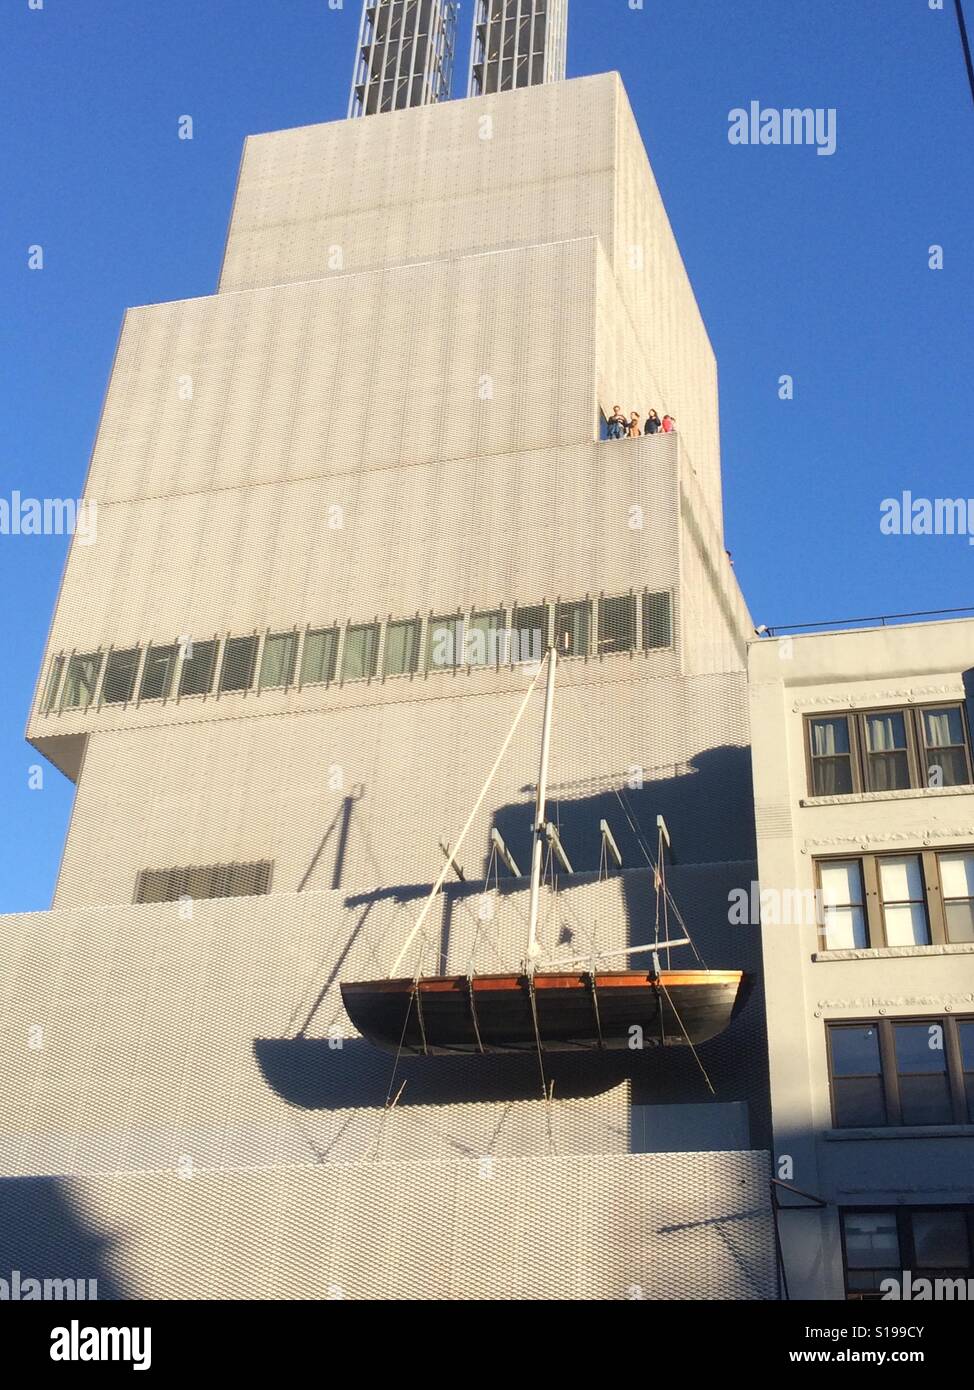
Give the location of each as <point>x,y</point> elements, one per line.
<point>657,621</point>
<point>920,1047</point>
<point>859,1101</point>
<point>869,1281</point>
<point>841,881</point>
<point>885,733</point>
<point>940,1240</point>
<point>922,1065</point>
<point>832,776</point>
<point>318,658</point>
<point>945,741</point>
<point>617,624</point>
<point>157,673</point>
<point>845,929</point>
<point>486,642</point>
<point>843,915</point>
<point>80,682</point>
<point>120,671</point>
<point>444,643</point>
<point>855,1049</point>
<point>402,648</point>
<point>871,1240</point>
<point>360,652</point>
<point>196,673</point>
<point>957,875</point>
<point>887,762</point>
<point>887,772</point>
<point>946,767</point>
<point>960,921</point>
<point>529,638</point>
<point>277,661</point>
<point>943,728</point>
<point>831,757</point>
<point>239,659</point>
<point>572,621</point>
<point>829,737</point>
<point>906,925</point>
<point>901,879</point>
<point>925,1100</point>
<point>53,683</point>
<point>904,902</point>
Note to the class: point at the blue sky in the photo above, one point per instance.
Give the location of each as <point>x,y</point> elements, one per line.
<point>807,265</point>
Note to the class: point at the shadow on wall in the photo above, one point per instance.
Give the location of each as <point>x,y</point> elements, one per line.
<point>707,804</point>
<point>709,811</point>
<point>44,1236</point>
<point>315,1074</point>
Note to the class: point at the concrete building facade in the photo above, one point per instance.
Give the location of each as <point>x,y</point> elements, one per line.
<point>327,497</point>
<point>864,807</point>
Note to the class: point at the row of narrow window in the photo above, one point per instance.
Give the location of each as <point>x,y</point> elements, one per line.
<point>361,651</point>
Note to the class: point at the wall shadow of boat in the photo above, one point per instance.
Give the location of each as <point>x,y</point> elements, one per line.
<point>315,1074</point>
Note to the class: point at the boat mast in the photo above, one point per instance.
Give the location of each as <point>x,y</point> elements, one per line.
<point>540,817</point>
<point>417,927</point>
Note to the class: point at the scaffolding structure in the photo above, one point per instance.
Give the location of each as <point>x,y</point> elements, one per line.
<point>405,55</point>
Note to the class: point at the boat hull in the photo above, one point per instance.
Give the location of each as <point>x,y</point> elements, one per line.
<point>560,1012</point>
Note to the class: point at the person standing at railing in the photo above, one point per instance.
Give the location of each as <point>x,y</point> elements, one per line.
<point>618,424</point>
<point>669,424</point>
<point>634,429</point>
<point>652,423</point>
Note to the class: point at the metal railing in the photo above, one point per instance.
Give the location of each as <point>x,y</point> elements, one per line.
<point>881,620</point>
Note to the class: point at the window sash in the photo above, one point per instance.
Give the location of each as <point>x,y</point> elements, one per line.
<point>889,750</point>
<point>277,660</point>
<point>871,1249</point>
<point>487,641</point>
<point>53,685</point>
<point>903,903</point>
<point>844,924</point>
<point>196,671</point>
<point>573,622</point>
<point>121,670</point>
<point>157,673</point>
<point>81,681</point>
<point>401,654</point>
<point>908,1093</point>
<point>444,642</point>
<point>319,656</point>
<point>529,633</point>
<point>924,913</point>
<point>880,1243</point>
<point>830,754</point>
<point>239,661</point>
<point>657,621</point>
<point>944,741</point>
<point>617,624</point>
<point>360,651</point>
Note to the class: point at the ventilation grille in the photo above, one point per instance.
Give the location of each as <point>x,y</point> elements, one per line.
<point>203,881</point>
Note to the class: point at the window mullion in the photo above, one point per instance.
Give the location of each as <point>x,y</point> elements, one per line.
<point>916,751</point>
<point>873,904</point>
<point>891,1080</point>
<point>857,744</point>
<point>955,1069</point>
<point>936,914</point>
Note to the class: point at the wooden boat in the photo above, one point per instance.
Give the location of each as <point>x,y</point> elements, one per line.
<point>561,1012</point>
<point>546,1009</point>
